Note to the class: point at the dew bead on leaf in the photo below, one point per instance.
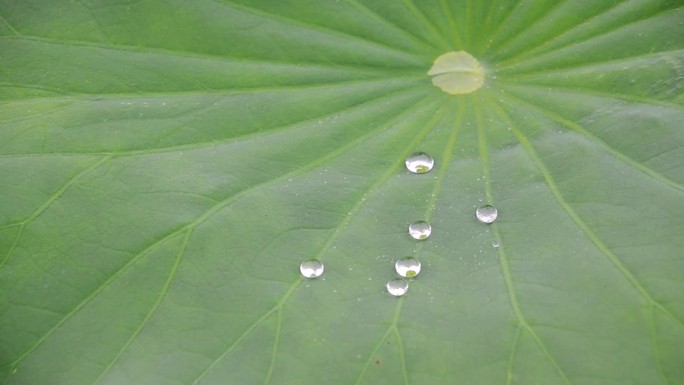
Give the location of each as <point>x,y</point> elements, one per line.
<point>457,73</point>
<point>486,214</point>
<point>419,163</point>
<point>397,287</point>
<point>419,230</point>
<point>407,267</point>
<point>312,268</point>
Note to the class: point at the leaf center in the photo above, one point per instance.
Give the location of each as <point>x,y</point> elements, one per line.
<point>457,73</point>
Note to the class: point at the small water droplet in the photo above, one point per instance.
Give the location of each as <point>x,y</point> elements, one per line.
<point>311,269</point>
<point>397,287</point>
<point>407,267</point>
<point>419,163</point>
<point>496,243</point>
<point>419,230</point>
<point>486,214</point>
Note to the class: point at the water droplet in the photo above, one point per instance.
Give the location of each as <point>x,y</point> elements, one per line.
<point>496,243</point>
<point>397,287</point>
<point>419,230</point>
<point>407,267</point>
<point>419,163</point>
<point>486,214</point>
<point>311,269</point>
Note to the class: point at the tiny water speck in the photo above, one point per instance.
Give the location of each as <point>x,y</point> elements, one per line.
<point>486,214</point>
<point>407,267</point>
<point>419,163</point>
<point>419,230</point>
<point>397,287</point>
<point>312,268</point>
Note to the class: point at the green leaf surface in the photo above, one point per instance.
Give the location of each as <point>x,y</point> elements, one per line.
<point>165,166</point>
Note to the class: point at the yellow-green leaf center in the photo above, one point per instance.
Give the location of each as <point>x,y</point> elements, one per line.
<point>457,73</point>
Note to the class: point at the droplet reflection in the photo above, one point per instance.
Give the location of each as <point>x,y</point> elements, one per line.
<point>486,214</point>
<point>407,267</point>
<point>419,230</point>
<point>312,268</point>
<point>419,163</point>
<point>397,287</point>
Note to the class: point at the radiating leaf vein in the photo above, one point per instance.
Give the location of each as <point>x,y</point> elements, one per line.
<point>546,173</point>
<point>503,258</point>
<point>603,31</point>
<point>160,297</point>
<point>501,45</point>
<point>607,147</point>
<point>201,219</point>
<point>341,227</point>
<point>49,202</point>
<point>383,46</point>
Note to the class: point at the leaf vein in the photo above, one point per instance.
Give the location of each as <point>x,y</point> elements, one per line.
<point>603,32</point>
<point>503,258</point>
<point>148,50</point>
<point>276,344</point>
<point>360,202</point>
<point>557,68</point>
<point>426,23</point>
<point>380,19</point>
<point>49,202</point>
<point>162,294</point>
<point>62,94</point>
<point>654,345</point>
<point>248,136</point>
<point>9,25</point>
<point>511,357</point>
<point>607,147</point>
<point>587,91</point>
<point>455,35</point>
<point>193,224</point>
<point>579,222</point>
<point>312,27</point>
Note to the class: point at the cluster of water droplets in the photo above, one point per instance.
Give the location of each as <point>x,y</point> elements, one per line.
<point>408,267</point>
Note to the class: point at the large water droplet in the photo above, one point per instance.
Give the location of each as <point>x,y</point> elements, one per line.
<point>419,163</point>
<point>397,287</point>
<point>486,214</point>
<point>419,230</point>
<point>312,268</point>
<point>407,267</point>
